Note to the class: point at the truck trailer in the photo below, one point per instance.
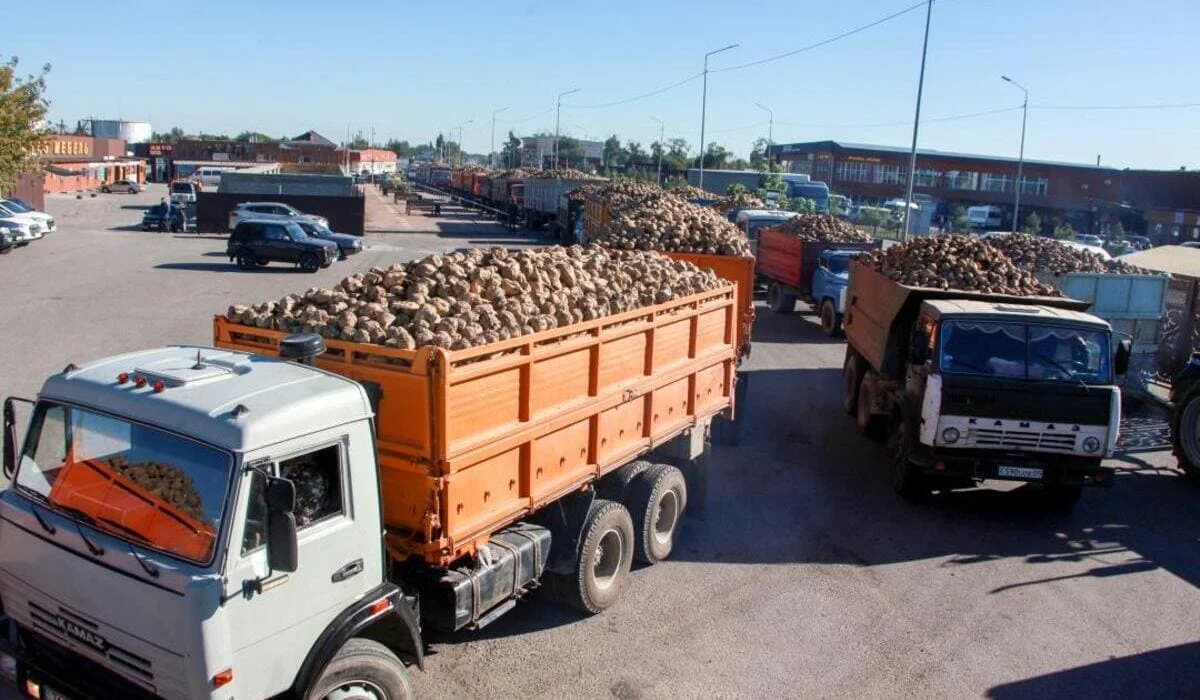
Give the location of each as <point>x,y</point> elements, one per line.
<point>968,386</point>
<point>289,516</point>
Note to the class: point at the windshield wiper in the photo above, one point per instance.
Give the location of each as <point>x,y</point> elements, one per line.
<point>94,548</point>
<point>1068,373</point>
<point>149,568</point>
<point>971,365</point>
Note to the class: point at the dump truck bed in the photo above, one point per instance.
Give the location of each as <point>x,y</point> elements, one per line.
<point>880,313</point>
<point>789,260</point>
<point>472,440</point>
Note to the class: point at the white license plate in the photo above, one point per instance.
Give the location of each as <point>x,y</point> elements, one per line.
<point>1021,472</point>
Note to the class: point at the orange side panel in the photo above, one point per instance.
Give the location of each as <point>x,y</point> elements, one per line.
<point>671,343</point>
<point>622,360</point>
<point>481,408</point>
<point>739,271</point>
<point>710,388</point>
<point>669,409</point>
<point>559,460</point>
<point>560,382</point>
<point>410,494</point>
<point>486,492</point>
<point>622,428</point>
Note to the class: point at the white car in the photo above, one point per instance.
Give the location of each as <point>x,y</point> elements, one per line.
<point>19,231</point>
<point>272,210</point>
<point>39,222</point>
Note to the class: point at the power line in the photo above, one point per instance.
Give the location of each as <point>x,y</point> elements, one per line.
<point>1180,105</point>
<point>525,119</point>
<point>642,96</point>
<point>823,42</point>
<point>952,117</point>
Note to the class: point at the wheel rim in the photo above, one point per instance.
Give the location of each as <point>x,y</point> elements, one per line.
<point>610,551</point>
<point>356,690</point>
<point>666,515</point>
<point>309,263</point>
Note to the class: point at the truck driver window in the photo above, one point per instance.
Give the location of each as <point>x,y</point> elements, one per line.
<point>1025,352</point>
<point>318,479</point>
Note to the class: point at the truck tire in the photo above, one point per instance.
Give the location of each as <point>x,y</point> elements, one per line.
<point>779,300</point>
<point>831,323</point>
<point>907,479</point>
<point>851,378</point>
<point>617,485</point>
<point>656,505</point>
<point>869,424</point>
<point>1185,433</point>
<point>362,668</point>
<point>605,557</point>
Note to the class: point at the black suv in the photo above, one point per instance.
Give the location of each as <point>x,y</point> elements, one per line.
<point>256,242</point>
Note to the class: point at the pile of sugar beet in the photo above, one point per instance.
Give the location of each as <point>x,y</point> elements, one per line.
<point>480,296</point>
<point>165,481</point>
<point>998,265</point>
<point>648,217</point>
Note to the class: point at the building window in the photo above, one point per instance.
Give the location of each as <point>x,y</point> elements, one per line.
<point>995,183</point>
<point>889,174</point>
<point>854,171</point>
<point>1036,186</point>
<point>927,178</point>
<point>962,180</point>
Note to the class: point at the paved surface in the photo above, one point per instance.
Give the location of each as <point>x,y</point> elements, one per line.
<point>806,578</point>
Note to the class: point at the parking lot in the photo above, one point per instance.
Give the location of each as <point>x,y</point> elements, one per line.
<point>806,577</point>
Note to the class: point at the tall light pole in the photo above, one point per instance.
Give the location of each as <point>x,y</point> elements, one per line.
<point>460,145</point>
<point>661,146</point>
<point>1021,157</point>
<point>912,159</point>
<point>557,118</point>
<point>770,127</point>
<point>492,148</point>
<point>704,106</point>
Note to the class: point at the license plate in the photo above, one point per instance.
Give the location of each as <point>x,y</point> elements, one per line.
<point>1021,472</point>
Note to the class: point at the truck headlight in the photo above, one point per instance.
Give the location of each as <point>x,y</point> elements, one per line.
<point>1091,444</point>
<point>950,435</point>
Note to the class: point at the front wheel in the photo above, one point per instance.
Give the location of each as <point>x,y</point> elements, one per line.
<point>105,190</point>
<point>907,479</point>
<point>363,669</point>
<point>1185,433</point>
<point>831,325</point>
<point>132,191</point>
<point>309,263</point>
<point>246,260</point>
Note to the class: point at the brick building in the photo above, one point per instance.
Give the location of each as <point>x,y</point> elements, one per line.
<point>76,164</point>
<point>1090,198</point>
<point>309,148</point>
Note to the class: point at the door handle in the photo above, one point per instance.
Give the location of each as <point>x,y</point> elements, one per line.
<point>352,569</point>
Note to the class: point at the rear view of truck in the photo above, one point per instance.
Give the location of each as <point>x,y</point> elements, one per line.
<point>997,379</point>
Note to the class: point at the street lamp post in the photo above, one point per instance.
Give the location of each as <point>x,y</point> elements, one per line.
<point>1021,157</point>
<point>912,159</point>
<point>661,146</point>
<point>557,120</point>
<point>492,148</point>
<point>704,106</point>
<point>460,139</point>
<point>770,126</point>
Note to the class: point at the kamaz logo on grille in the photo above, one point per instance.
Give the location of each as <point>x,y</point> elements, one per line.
<point>81,633</point>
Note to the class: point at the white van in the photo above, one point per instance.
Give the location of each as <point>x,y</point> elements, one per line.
<point>210,177</point>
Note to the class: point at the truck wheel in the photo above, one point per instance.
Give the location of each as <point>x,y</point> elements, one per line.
<point>831,325</point>
<point>907,479</point>
<point>1062,499</point>
<point>869,425</point>
<point>363,668</point>
<point>1185,433</point>
<point>657,503</point>
<point>616,486</point>
<point>851,378</point>
<point>605,556</point>
<point>246,260</point>
<point>780,301</point>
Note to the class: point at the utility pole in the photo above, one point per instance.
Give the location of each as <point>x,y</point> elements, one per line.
<point>704,106</point>
<point>770,129</point>
<point>912,159</point>
<point>661,146</point>
<point>460,139</point>
<point>492,149</point>
<point>1021,156</point>
<point>557,120</point>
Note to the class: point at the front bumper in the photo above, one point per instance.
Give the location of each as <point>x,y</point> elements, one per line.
<point>978,465</point>
<point>45,669</point>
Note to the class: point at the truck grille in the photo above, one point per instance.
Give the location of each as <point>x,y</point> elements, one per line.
<point>67,628</point>
<point>1001,439</point>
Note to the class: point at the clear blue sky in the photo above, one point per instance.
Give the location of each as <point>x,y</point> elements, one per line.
<point>411,69</point>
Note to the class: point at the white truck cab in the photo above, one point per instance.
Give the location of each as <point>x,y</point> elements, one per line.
<point>149,546</point>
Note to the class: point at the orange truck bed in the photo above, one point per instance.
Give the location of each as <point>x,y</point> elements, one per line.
<point>470,441</point>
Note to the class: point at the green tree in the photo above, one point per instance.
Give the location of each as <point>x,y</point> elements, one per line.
<point>571,153</point>
<point>804,205</point>
<point>254,137</point>
<point>736,188</point>
<point>715,157</point>
<point>676,157</point>
<point>359,142</point>
<point>1116,232</point>
<point>1063,230</point>
<point>758,154</point>
<point>613,153</point>
<point>175,135</point>
<point>634,154</point>
<point>23,108</point>
<point>959,222</point>
<point>510,152</point>
<point>1033,224</point>
<point>872,217</point>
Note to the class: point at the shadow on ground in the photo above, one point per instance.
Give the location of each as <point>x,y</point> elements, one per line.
<point>1161,673</point>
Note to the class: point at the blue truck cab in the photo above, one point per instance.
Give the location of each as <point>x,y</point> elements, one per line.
<point>830,280</point>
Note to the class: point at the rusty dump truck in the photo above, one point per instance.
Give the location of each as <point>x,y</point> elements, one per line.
<point>297,512</point>
<point>968,386</point>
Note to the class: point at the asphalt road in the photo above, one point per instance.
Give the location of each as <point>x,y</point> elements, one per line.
<point>807,577</point>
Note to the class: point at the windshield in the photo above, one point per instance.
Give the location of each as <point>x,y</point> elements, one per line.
<point>15,206</point>
<point>296,230</point>
<point>182,187</point>
<point>139,483</point>
<point>1018,351</point>
<point>312,229</point>
<point>839,264</point>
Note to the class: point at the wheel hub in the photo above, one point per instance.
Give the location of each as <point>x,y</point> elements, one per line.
<point>357,690</point>
<point>606,562</point>
<point>665,516</point>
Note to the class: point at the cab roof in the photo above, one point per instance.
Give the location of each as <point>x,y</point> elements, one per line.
<point>232,400</point>
<point>1018,312</point>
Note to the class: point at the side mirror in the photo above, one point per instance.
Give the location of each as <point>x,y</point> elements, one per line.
<point>10,438</point>
<point>282,552</point>
<point>1121,361</point>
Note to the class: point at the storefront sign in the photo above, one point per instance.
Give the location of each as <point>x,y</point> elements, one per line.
<point>63,147</point>
<point>864,159</point>
<point>158,149</point>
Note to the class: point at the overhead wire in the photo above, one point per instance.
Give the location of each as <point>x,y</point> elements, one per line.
<point>642,96</point>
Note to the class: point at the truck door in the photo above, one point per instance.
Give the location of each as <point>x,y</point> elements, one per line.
<point>276,617</point>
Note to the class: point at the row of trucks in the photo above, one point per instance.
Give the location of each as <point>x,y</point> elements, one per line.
<point>291,516</point>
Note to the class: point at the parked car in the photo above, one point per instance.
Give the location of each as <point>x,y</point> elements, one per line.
<point>1139,242</point>
<point>130,186</point>
<point>12,209</point>
<point>7,240</point>
<point>347,244</point>
<point>271,209</point>
<point>184,192</point>
<point>18,231</point>
<point>1088,239</point>
<point>255,242</point>
<point>165,217</point>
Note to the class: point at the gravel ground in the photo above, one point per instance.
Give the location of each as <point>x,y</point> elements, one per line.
<point>807,577</point>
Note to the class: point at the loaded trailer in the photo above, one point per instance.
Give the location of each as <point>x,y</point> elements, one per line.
<point>298,512</point>
<point>967,386</point>
<point>814,271</point>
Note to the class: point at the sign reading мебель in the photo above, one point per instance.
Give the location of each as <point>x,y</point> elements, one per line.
<point>66,146</point>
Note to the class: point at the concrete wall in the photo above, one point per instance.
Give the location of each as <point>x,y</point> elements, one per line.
<point>345,214</point>
<point>274,185</point>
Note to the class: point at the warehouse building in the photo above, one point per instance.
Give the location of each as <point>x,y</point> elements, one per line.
<point>1090,198</point>
<point>77,164</point>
